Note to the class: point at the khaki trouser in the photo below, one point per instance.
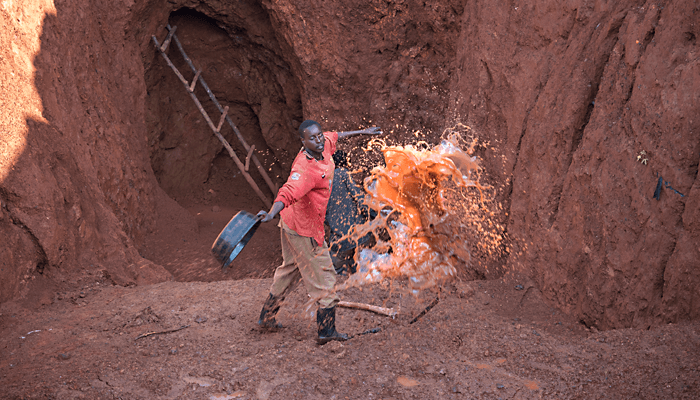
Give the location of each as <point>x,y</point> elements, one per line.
<point>304,258</point>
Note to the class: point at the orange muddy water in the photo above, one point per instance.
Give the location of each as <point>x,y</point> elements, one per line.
<point>433,207</point>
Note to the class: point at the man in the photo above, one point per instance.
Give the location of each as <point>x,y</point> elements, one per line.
<point>346,208</point>
<point>302,203</point>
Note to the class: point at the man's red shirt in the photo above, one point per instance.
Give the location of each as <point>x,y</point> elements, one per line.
<point>305,194</point>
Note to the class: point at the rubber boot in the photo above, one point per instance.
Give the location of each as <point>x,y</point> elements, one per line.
<point>269,311</point>
<point>325,318</point>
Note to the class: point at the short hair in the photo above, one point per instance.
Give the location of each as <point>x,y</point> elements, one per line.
<point>306,125</point>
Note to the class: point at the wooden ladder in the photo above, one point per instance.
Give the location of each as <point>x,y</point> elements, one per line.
<point>189,86</point>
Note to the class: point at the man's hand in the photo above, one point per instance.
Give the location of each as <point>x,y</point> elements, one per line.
<point>268,216</point>
<point>264,216</point>
<point>375,130</point>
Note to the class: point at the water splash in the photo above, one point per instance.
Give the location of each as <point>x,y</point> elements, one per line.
<point>432,206</point>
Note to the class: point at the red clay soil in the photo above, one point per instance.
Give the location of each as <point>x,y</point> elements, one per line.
<point>112,191</point>
<point>482,340</point>
<point>587,106</point>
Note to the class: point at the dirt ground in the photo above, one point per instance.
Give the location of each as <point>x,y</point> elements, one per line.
<point>495,339</point>
<point>482,340</point>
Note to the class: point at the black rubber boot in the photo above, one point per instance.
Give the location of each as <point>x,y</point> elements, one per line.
<point>325,318</point>
<point>268,313</point>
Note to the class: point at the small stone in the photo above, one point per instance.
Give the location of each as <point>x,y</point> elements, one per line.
<point>535,333</point>
<point>200,319</point>
<point>500,386</point>
<point>334,347</point>
<point>64,356</point>
<point>519,287</point>
<point>404,381</point>
<point>173,351</point>
<point>486,353</point>
<point>82,295</point>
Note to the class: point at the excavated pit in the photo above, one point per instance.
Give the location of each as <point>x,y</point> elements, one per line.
<point>111,187</point>
<point>109,170</point>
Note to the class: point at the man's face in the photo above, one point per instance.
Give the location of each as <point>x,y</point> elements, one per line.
<point>313,139</point>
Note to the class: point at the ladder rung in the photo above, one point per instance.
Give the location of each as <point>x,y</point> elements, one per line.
<point>222,119</point>
<point>247,159</point>
<point>194,80</point>
<point>168,38</point>
<point>170,63</point>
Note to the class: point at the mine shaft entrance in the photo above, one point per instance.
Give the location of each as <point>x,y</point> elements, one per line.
<point>245,68</point>
<point>243,65</point>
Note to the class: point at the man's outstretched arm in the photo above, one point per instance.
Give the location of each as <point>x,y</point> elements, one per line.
<point>375,130</point>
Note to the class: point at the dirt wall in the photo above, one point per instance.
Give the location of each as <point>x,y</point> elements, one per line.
<point>571,94</point>
<point>76,189</point>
